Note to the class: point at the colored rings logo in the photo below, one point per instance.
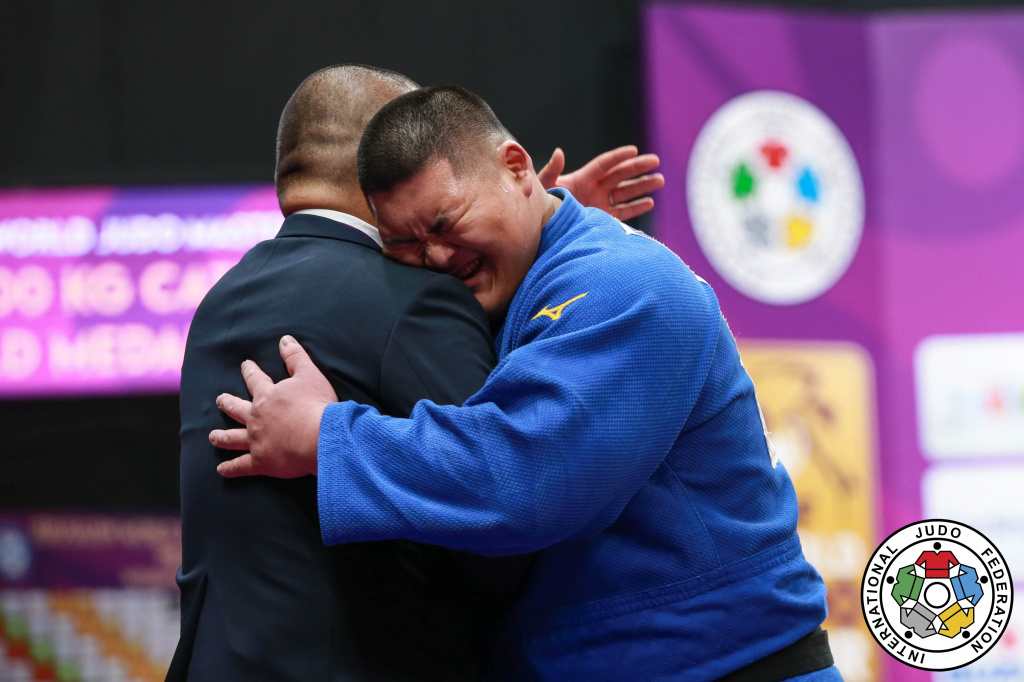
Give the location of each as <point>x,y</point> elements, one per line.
<point>775,197</point>
<point>937,595</point>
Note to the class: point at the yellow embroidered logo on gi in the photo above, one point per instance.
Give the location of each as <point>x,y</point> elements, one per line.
<point>556,312</point>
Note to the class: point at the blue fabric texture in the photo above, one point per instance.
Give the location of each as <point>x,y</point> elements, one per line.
<point>620,437</point>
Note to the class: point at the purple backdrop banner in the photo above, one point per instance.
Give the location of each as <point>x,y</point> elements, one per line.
<point>98,285</point>
<point>64,550</point>
<point>759,115</point>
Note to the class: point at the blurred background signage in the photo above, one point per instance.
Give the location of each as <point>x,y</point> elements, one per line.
<point>98,286</point>
<point>852,193</point>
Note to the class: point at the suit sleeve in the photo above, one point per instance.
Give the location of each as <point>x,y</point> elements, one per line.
<point>440,349</point>
<point>566,430</point>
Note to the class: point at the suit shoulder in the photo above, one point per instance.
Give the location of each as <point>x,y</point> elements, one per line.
<point>230,282</point>
<point>306,277</point>
<point>405,283</point>
<point>409,277</point>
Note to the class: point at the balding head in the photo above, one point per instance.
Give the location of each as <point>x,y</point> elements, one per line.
<point>318,136</point>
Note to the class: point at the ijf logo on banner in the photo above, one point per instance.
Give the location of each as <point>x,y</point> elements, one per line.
<point>937,595</point>
<point>775,197</point>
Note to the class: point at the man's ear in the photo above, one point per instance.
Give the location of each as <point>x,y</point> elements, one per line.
<point>516,160</point>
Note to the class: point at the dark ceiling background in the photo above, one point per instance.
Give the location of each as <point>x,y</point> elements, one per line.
<point>119,92</point>
<point>111,91</point>
<point>124,92</point>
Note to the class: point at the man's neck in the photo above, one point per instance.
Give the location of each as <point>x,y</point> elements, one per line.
<point>553,203</point>
<point>351,202</point>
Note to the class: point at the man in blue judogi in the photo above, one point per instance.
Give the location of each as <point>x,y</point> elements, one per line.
<point>619,436</point>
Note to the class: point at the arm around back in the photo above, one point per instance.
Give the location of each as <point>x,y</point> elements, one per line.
<point>566,430</point>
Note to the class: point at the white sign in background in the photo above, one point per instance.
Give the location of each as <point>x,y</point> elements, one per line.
<point>989,498</point>
<point>970,395</point>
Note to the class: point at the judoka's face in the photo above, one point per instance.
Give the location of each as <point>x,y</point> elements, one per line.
<point>481,225</point>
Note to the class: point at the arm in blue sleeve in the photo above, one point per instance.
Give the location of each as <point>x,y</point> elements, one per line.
<point>565,431</point>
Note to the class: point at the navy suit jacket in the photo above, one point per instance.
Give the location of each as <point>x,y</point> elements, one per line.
<point>262,597</point>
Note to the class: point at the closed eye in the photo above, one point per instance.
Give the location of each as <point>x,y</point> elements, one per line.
<point>442,226</point>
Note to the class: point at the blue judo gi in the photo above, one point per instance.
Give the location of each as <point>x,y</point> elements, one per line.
<point>620,437</point>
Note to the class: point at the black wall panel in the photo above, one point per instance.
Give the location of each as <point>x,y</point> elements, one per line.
<point>111,91</point>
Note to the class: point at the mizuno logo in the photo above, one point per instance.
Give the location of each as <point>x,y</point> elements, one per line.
<point>556,312</point>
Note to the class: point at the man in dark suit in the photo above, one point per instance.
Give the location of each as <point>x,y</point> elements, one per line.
<point>262,597</point>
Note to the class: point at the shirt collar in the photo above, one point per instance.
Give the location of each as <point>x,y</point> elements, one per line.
<point>346,219</point>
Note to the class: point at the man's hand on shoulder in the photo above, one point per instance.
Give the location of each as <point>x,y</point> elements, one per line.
<point>615,182</point>
<point>282,422</point>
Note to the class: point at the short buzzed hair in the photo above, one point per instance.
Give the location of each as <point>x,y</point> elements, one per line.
<point>439,122</point>
<point>318,135</point>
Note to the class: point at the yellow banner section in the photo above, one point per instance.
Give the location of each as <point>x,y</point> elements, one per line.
<point>818,404</point>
